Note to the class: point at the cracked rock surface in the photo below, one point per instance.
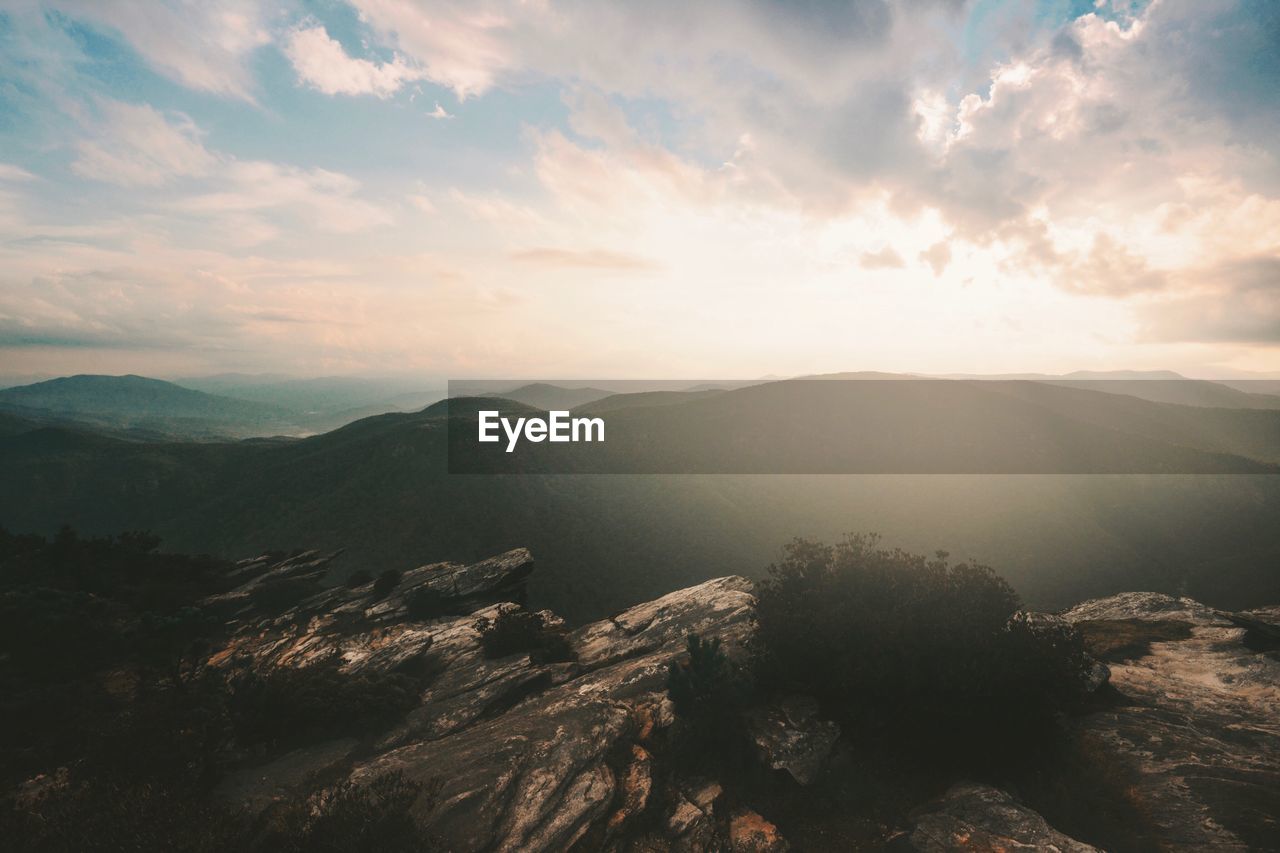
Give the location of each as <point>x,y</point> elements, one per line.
<point>518,753</point>
<point>1197,733</point>
<point>979,817</point>
<point>525,754</point>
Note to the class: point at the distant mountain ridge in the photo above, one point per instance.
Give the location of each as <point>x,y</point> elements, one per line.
<point>322,395</point>
<point>140,403</point>
<point>543,395</point>
<point>100,395</point>
<point>146,409</point>
<point>890,426</point>
<point>381,487</point>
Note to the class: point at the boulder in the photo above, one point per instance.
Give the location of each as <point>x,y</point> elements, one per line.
<point>1197,735</point>
<point>751,833</point>
<point>982,818</point>
<point>536,773</point>
<point>788,735</point>
<point>522,755</point>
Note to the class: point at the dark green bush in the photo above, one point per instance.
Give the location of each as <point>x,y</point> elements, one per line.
<point>915,649</point>
<point>291,705</point>
<point>426,603</point>
<point>520,631</point>
<point>350,818</point>
<point>107,814</point>
<point>386,582</point>
<point>359,577</point>
<point>51,634</point>
<point>709,693</point>
<point>704,683</point>
<point>110,814</point>
<point>276,594</point>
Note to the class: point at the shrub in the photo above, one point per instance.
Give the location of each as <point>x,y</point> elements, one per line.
<point>350,817</point>
<point>426,603</point>
<point>386,582</point>
<point>359,577</point>
<point>709,693</point>
<point>51,634</point>
<point>288,705</point>
<point>1044,659</point>
<point>519,631</point>
<point>914,648</point>
<point>278,594</point>
<point>111,815</point>
<point>704,681</point>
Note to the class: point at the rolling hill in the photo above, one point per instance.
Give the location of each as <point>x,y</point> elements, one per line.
<point>148,405</point>
<point>322,396</point>
<point>543,395</point>
<point>380,487</point>
<point>233,406</point>
<point>919,426</point>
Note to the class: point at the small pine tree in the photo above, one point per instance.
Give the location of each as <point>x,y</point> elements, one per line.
<point>709,692</point>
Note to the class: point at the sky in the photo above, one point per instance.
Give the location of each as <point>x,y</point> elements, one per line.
<point>641,189</point>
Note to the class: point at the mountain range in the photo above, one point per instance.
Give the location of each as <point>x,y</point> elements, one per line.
<point>381,488</point>
<point>225,407</point>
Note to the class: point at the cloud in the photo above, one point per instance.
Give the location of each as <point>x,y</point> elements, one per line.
<point>157,304</point>
<point>424,204</point>
<point>494,209</point>
<point>1235,302</point>
<point>885,258</point>
<point>462,45</point>
<point>1108,174</point>
<point>1108,268</point>
<point>205,46</point>
<point>596,259</point>
<point>323,199</point>
<point>135,145</point>
<point>14,174</point>
<point>138,147</point>
<point>937,256</point>
<point>625,173</point>
<point>322,63</point>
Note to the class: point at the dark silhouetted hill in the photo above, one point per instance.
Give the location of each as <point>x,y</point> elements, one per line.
<point>380,488</point>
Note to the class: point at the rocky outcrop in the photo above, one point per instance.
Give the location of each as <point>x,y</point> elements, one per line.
<point>979,817</point>
<point>1196,734</point>
<point>516,754</point>
<point>529,752</point>
<point>539,776</point>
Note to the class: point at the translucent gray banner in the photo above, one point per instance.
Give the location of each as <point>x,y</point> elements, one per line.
<point>863,425</point>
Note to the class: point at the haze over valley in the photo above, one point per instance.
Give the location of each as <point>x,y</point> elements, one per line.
<point>380,488</point>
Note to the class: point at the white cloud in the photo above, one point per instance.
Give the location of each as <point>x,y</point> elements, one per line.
<point>1093,162</point>
<point>883,259</point>
<point>464,46</point>
<point>136,145</point>
<point>325,200</point>
<point>203,45</point>
<point>423,204</point>
<point>10,172</point>
<point>321,62</point>
<point>588,259</point>
<point>753,155</point>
